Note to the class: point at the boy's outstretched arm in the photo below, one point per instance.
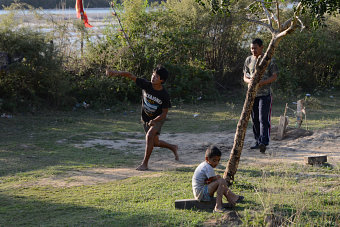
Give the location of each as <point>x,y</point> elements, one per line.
<point>113,73</point>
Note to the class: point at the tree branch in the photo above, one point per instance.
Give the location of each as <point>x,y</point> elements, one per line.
<point>267,14</point>
<point>278,15</point>
<point>293,21</point>
<point>265,2</point>
<point>272,30</point>
<point>302,25</point>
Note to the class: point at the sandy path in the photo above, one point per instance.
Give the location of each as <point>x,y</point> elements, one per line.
<point>192,147</point>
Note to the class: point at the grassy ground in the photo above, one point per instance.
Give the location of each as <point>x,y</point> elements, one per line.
<point>33,147</point>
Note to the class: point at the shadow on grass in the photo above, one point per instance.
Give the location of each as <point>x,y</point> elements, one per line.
<point>12,162</point>
<point>24,211</point>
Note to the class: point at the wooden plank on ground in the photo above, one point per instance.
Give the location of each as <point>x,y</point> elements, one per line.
<point>314,160</point>
<point>189,204</point>
<point>282,127</point>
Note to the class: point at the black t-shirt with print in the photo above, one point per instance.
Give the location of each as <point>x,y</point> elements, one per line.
<point>153,101</point>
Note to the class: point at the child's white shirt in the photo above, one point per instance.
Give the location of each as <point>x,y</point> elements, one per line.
<point>203,172</point>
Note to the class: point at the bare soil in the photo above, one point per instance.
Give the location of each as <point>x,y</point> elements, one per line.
<point>297,144</point>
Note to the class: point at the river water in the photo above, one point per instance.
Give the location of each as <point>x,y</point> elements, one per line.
<point>98,17</point>
<point>99,12</point>
<point>51,19</point>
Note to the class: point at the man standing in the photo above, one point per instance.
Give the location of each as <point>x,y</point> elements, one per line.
<point>261,112</point>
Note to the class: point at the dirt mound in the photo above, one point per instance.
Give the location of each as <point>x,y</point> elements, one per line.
<point>291,133</point>
<point>230,218</point>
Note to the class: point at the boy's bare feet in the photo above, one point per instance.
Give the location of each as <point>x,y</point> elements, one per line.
<point>142,167</point>
<point>175,152</point>
<point>239,199</point>
<point>220,210</point>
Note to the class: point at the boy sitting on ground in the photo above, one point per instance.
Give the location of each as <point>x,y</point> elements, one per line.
<point>205,182</point>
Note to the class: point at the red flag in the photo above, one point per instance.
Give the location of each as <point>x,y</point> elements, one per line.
<point>81,13</point>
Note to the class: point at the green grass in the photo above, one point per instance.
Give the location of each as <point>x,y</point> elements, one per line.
<point>35,147</point>
<point>292,193</point>
<point>122,203</point>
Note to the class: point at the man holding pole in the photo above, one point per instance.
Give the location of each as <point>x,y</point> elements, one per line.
<point>261,111</point>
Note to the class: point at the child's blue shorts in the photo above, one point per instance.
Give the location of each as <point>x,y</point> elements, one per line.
<point>206,196</point>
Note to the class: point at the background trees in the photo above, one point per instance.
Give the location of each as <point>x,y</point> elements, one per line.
<point>204,52</point>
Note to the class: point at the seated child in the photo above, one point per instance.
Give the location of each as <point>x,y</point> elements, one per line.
<point>205,182</point>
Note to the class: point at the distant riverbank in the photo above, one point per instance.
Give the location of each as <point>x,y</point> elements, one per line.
<point>70,12</point>
<point>52,20</point>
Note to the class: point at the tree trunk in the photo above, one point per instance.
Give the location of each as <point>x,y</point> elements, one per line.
<point>236,151</point>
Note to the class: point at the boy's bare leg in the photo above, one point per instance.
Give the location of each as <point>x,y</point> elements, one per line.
<point>214,187</point>
<point>149,139</point>
<point>231,197</point>
<point>221,188</point>
<point>172,147</point>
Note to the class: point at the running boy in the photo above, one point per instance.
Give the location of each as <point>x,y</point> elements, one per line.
<point>205,182</point>
<point>155,104</point>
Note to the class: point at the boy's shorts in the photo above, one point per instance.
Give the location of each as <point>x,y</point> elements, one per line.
<point>206,196</point>
<point>158,126</point>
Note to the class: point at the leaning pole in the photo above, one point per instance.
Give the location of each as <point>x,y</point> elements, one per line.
<point>261,65</point>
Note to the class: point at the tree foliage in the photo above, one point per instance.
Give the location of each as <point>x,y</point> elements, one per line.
<point>319,8</point>
<point>310,60</point>
<point>35,78</point>
<point>199,48</point>
<point>203,51</point>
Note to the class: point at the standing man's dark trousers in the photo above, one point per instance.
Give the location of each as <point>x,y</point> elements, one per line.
<point>260,116</point>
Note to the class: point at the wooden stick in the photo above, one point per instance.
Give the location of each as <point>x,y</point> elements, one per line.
<point>284,114</point>
<point>306,119</point>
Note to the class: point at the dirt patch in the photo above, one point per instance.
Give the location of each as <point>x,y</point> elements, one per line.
<point>292,149</point>
<point>229,218</point>
<point>92,176</point>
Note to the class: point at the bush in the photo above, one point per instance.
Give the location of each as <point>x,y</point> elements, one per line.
<point>199,48</point>
<point>190,83</point>
<point>35,81</point>
<point>309,60</point>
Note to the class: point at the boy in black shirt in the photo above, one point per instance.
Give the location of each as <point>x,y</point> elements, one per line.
<point>155,105</point>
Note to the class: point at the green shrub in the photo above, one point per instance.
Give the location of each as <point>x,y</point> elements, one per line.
<point>35,77</point>
<point>190,83</point>
<point>35,81</point>
<point>199,48</point>
<point>309,61</point>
